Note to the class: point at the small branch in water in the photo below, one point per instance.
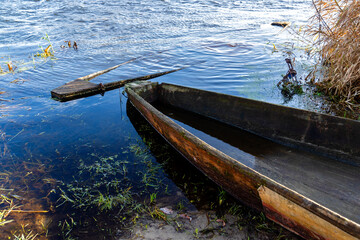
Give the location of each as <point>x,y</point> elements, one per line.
<point>94,75</point>
<point>29,211</point>
<point>15,135</point>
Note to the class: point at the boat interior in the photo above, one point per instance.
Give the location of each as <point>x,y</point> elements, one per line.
<point>331,183</point>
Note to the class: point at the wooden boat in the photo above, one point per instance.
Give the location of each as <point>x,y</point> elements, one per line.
<point>301,168</point>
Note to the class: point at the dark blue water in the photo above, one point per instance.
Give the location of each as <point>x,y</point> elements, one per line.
<point>226,46</point>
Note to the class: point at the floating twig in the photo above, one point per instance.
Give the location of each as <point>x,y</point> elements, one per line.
<point>95,74</point>
<point>15,135</point>
<point>29,211</point>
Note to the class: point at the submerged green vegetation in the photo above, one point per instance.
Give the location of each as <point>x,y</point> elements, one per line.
<point>24,187</point>
<point>107,196</point>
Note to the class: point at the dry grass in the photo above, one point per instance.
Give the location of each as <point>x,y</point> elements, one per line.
<point>336,28</point>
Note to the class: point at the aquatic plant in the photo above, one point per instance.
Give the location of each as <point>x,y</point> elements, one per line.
<point>180,206</point>
<point>6,209</point>
<point>196,233</point>
<point>29,236</point>
<point>153,198</point>
<point>66,227</point>
<point>104,184</point>
<point>68,43</point>
<point>19,184</point>
<point>289,89</point>
<point>156,213</point>
<point>48,51</point>
<point>222,196</point>
<point>335,29</point>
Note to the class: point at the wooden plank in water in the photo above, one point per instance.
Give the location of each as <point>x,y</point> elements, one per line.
<point>80,88</point>
<point>72,89</point>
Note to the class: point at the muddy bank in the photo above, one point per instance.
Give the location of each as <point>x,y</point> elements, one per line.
<point>237,222</point>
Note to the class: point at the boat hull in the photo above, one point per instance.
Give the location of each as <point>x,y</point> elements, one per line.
<point>280,204</point>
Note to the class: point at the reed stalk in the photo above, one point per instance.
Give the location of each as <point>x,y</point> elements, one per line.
<point>336,30</point>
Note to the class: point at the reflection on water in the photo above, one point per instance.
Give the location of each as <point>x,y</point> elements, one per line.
<point>226,46</point>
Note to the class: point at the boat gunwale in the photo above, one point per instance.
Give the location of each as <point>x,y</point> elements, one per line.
<point>346,156</point>
<point>257,101</point>
<point>321,211</point>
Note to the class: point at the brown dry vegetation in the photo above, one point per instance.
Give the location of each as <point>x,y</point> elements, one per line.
<point>336,27</point>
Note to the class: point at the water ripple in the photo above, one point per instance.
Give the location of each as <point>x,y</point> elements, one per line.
<point>223,43</point>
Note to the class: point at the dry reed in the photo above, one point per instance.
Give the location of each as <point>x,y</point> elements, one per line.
<point>336,28</point>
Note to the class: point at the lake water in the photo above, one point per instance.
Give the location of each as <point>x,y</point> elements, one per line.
<point>226,46</point>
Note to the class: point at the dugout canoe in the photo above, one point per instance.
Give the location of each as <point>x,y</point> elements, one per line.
<point>300,168</point>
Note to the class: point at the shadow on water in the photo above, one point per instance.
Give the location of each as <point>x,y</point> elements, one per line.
<point>198,189</point>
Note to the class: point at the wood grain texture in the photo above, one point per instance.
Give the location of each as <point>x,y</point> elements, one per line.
<point>80,87</point>
<point>241,181</point>
<point>298,219</point>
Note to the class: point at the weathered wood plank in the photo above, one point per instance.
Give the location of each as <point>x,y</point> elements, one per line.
<point>298,219</point>
<point>73,89</point>
<point>80,87</point>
